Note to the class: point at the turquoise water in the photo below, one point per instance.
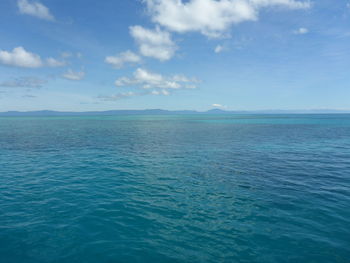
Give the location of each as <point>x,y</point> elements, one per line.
<point>175,189</point>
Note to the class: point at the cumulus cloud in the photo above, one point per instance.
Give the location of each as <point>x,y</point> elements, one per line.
<point>19,57</point>
<point>148,80</point>
<point>150,83</point>
<point>212,18</point>
<point>301,31</point>
<point>72,75</point>
<point>127,57</point>
<point>36,9</point>
<point>154,43</point>
<point>24,82</point>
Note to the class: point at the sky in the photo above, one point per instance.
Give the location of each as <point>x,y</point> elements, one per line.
<point>88,55</point>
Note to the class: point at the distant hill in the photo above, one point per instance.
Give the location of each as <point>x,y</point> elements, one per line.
<point>95,113</point>
<point>162,112</point>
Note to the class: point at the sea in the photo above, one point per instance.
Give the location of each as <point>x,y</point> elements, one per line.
<point>175,188</point>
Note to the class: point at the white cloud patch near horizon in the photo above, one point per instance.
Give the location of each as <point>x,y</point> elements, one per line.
<point>212,18</point>
<point>153,43</point>
<point>149,80</point>
<point>74,75</point>
<point>217,105</point>
<point>150,83</point>
<point>127,57</point>
<point>35,9</point>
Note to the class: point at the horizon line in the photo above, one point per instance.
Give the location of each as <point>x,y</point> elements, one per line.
<point>157,110</point>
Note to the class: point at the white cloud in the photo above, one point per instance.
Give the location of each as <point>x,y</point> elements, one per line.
<point>150,83</point>
<point>290,4</point>
<point>183,78</point>
<point>216,105</point>
<point>123,58</point>
<point>153,43</point>
<point>212,18</point>
<point>160,92</point>
<point>218,49</point>
<point>52,62</point>
<point>71,75</point>
<point>19,57</point>
<point>24,82</point>
<point>301,31</point>
<point>36,9</point>
<point>149,80</point>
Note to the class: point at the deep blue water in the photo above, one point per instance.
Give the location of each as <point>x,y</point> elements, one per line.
<point>175,189</point>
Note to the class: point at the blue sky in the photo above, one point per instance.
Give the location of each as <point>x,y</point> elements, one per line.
<point>197,54</point>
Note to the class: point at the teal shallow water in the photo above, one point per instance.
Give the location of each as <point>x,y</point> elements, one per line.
<point>272,188</point>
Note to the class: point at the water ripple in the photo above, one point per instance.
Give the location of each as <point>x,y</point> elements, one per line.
<point>175,189</point>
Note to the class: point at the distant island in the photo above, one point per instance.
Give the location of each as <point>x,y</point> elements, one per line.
<point>162,112</point>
